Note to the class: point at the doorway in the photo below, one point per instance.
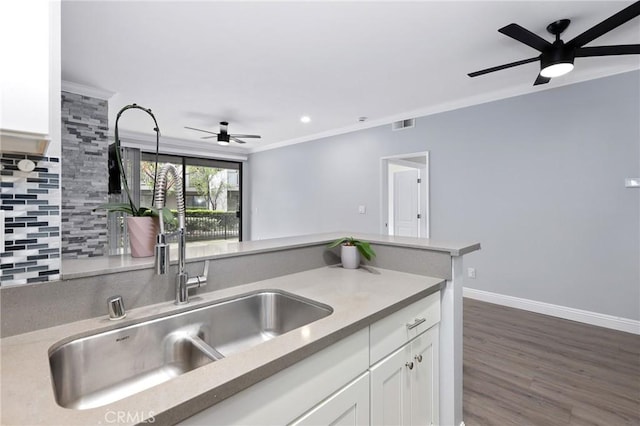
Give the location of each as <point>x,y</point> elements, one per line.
<point>405,195</point>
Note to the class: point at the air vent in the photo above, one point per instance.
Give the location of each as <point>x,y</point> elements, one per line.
<point>403,124</point>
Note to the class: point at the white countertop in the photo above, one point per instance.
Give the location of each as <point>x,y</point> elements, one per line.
<point>77,268</point>
<point>358,298</point>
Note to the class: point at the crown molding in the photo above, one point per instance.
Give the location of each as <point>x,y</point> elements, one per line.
<point>81,89</point>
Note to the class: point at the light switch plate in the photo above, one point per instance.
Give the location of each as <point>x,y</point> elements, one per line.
<point>632,183</point>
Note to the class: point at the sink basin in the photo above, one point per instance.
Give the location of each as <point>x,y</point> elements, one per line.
<point>96,370</point>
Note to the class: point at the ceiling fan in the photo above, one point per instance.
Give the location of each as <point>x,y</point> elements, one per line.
<point>557,58</point>
<point>224,137</point>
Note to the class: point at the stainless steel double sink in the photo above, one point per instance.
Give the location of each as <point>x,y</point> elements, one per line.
<point>96,370</point>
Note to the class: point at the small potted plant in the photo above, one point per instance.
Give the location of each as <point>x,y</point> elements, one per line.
<point>142,222</point>
<point>351,250</point>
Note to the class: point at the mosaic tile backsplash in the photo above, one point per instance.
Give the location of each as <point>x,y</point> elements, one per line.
<point>31,205</point>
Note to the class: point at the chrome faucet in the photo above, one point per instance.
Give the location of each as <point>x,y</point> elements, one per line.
<point>183,282</point>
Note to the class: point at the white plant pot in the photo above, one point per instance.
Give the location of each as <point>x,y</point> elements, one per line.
<point>350,257</point>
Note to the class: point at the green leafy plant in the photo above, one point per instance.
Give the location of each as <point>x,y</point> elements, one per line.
<point>363,247</point>
<point>132,210</point>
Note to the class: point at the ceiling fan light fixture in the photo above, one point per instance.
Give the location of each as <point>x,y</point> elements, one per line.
<point>556,70</point>
<point>557,62</point>
<point>223,143</point>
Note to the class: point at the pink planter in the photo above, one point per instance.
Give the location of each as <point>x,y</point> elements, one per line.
<point>142,235</point>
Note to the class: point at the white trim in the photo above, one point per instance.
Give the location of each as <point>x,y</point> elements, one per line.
<point>23,142</point>
<point>147,142</point>
<point>81,89</point>
<point>587,317</point>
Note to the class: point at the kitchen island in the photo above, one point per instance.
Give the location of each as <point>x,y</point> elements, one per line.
<point>359,299</point>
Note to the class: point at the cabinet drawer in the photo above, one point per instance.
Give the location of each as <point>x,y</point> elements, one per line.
<point>391,332</point>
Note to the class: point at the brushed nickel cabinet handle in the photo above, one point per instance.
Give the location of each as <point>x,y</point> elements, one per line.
<point>418,358</point>
<point>416,323</point>
<point>410,365</point>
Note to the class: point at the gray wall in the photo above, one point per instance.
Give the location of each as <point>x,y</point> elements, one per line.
<point>537,179</point>
<point>84,175</point>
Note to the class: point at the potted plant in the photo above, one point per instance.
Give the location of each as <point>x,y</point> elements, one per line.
<point>142,222</point>
<point>350,251</point>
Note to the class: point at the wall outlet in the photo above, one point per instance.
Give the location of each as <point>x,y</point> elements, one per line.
<point>471,273</point>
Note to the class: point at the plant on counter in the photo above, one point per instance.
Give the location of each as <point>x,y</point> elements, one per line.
<point>351,250</point>
<point>142,222</point>
<point>130,207</point>
<point>363,247</point>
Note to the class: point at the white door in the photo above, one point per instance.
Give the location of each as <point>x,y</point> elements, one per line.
<point>424,379</point>
<point>390,389</point>
<point>406,203</point>
<point>347,407</point>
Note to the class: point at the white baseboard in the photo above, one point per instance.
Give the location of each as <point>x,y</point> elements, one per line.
<point>587,317</point>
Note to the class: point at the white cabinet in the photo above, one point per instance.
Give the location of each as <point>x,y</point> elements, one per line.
<point>347,407</point>
<point>391,332</point>
<point>385,374</point>
<point>29,81</point>
<point>391,390</point>
<point>292,392</point>
<point>404,386</point>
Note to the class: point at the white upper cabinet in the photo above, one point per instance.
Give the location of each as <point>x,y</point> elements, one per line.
<point>29,52</point>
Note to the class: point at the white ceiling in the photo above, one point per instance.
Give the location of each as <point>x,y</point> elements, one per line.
<point>261,65</point>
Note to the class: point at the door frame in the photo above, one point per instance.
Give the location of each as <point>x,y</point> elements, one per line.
<point>424,193</point>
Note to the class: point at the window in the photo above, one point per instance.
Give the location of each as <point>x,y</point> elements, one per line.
<point>212,191</point>
<point>212,194</point>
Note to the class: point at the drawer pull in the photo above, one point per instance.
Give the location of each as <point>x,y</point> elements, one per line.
<point>410,365</point>
<point>416,323</point>
<point>418,358</point>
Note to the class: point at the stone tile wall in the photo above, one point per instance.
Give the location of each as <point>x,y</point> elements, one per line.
<point>30,203</point>
<point>84,175</point>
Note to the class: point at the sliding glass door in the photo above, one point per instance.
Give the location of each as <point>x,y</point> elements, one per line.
<point>212,191</point>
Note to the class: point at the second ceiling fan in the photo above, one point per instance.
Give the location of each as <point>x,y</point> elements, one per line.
<point>557,58</point>
<point>223,136</point>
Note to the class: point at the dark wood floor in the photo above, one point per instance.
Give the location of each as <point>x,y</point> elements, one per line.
<point>522,368</point>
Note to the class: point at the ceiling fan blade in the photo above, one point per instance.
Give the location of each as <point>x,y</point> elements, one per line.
<point>245,136</point>
<point>200,130</point>
<point>502,67</point>
<point>621,49</point>
<point>607,25</point>
<point>541,80</point>
<point>236,139</point>
<point>525,36</point>
<point>209,137</point>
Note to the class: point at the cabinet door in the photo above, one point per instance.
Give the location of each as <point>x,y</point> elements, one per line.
<point>347,407</point>
<point>390,389</point>
<point>424,379</point>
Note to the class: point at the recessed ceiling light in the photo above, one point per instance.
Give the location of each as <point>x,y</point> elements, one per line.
<point>305,119</point>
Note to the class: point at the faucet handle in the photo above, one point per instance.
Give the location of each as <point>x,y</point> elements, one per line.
<point>205,272</point>
<point>199,280</point>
